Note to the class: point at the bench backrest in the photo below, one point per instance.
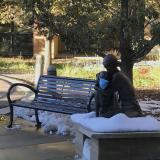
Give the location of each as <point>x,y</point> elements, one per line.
<point>70,91</point>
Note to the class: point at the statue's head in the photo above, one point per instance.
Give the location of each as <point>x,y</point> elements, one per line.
<point>110,62</point>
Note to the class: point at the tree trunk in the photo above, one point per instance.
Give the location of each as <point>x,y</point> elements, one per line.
<point>125,49</point>
<point>131,34</point>
<point>127,68</point>
<point>137,14</point>
<point>12,38</point>
<point>47,56</point>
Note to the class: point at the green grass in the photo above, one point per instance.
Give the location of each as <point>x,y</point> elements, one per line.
<point>145,77</point>
<point>78,70</point>
<point>16,65</point>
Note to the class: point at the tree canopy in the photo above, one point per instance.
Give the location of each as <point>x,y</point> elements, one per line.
<point>11,11</point>
<point>80,24</point>
<point>91,25</point>
<point>131,27</point>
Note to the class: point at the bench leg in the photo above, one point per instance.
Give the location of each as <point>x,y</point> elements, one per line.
<point>11,117</point>
<point>38,125</point>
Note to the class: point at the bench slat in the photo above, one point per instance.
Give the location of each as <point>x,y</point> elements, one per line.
<point>63,94</point>
<point>52,83</point>
<point>63,88</point>
<point>47,107</point>
<point>65,101</point>
<point>66,78</point>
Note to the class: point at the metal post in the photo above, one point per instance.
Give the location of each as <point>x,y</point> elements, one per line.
<point>52,70</point>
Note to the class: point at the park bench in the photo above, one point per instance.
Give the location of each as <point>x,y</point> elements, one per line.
<point>121,145</point>
<point>55,94</point>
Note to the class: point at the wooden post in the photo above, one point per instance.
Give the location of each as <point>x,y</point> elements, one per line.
<point>54,47</point>
<point>47,56</point>
<point>38,68</point>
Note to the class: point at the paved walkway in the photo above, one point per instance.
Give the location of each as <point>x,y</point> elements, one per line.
<point>5,83</point>
<point>26,142</point>
<point>4,86</point>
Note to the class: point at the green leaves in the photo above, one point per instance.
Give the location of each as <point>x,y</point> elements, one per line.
<point>11,11</point>
<point>155,30</point>
<point>86,25</point>
<point>81,24</point>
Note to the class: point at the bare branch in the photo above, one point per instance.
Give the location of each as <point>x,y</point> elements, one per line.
<point>151,21</point>
<point>146,49</point>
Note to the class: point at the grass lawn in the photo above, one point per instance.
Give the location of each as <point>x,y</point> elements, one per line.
<point>145,77</point>
<point>16,65</point>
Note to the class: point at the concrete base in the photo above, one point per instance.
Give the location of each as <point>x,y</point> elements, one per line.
<point>121,146</point>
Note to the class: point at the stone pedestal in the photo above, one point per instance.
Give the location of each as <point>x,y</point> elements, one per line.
<point>119,146</point>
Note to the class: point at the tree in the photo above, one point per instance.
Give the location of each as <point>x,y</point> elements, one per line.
<point>101,25</point>
<point>136,16</point>
<point>12,16</point>
<point>11,11</point>
<point>79,23</point>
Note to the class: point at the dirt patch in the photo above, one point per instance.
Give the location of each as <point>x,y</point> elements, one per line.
<point>149,94</point>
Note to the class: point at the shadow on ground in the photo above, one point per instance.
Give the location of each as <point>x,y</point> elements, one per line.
<point>144,94</point>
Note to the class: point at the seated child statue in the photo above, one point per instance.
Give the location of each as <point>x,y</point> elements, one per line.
<point>105,104</point>
<point>111,83</point>
<point>103,79</point>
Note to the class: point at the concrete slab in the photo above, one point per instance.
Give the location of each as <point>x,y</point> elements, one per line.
<point>4,110</point>
<point>4,87</point>
<point>26,143</point>
<point>19,92</point>
<point>23,138</point>
<point>48,151</point>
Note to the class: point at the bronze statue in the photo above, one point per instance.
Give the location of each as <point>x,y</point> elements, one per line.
<point>107,101</point>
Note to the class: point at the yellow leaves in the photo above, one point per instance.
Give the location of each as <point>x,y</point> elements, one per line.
<point>57,10</point>
<point>11,12</point>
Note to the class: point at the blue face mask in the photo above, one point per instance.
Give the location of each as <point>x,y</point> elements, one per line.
<point>103,83</point>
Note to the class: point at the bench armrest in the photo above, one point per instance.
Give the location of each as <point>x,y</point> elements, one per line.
<point>18,84</point>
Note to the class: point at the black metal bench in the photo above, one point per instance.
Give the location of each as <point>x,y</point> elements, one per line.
<point>56,94</point>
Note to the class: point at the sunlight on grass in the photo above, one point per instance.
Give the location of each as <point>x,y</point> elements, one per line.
<point>145,77</point>
<point>80,70</point>
<point>16,65</point>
